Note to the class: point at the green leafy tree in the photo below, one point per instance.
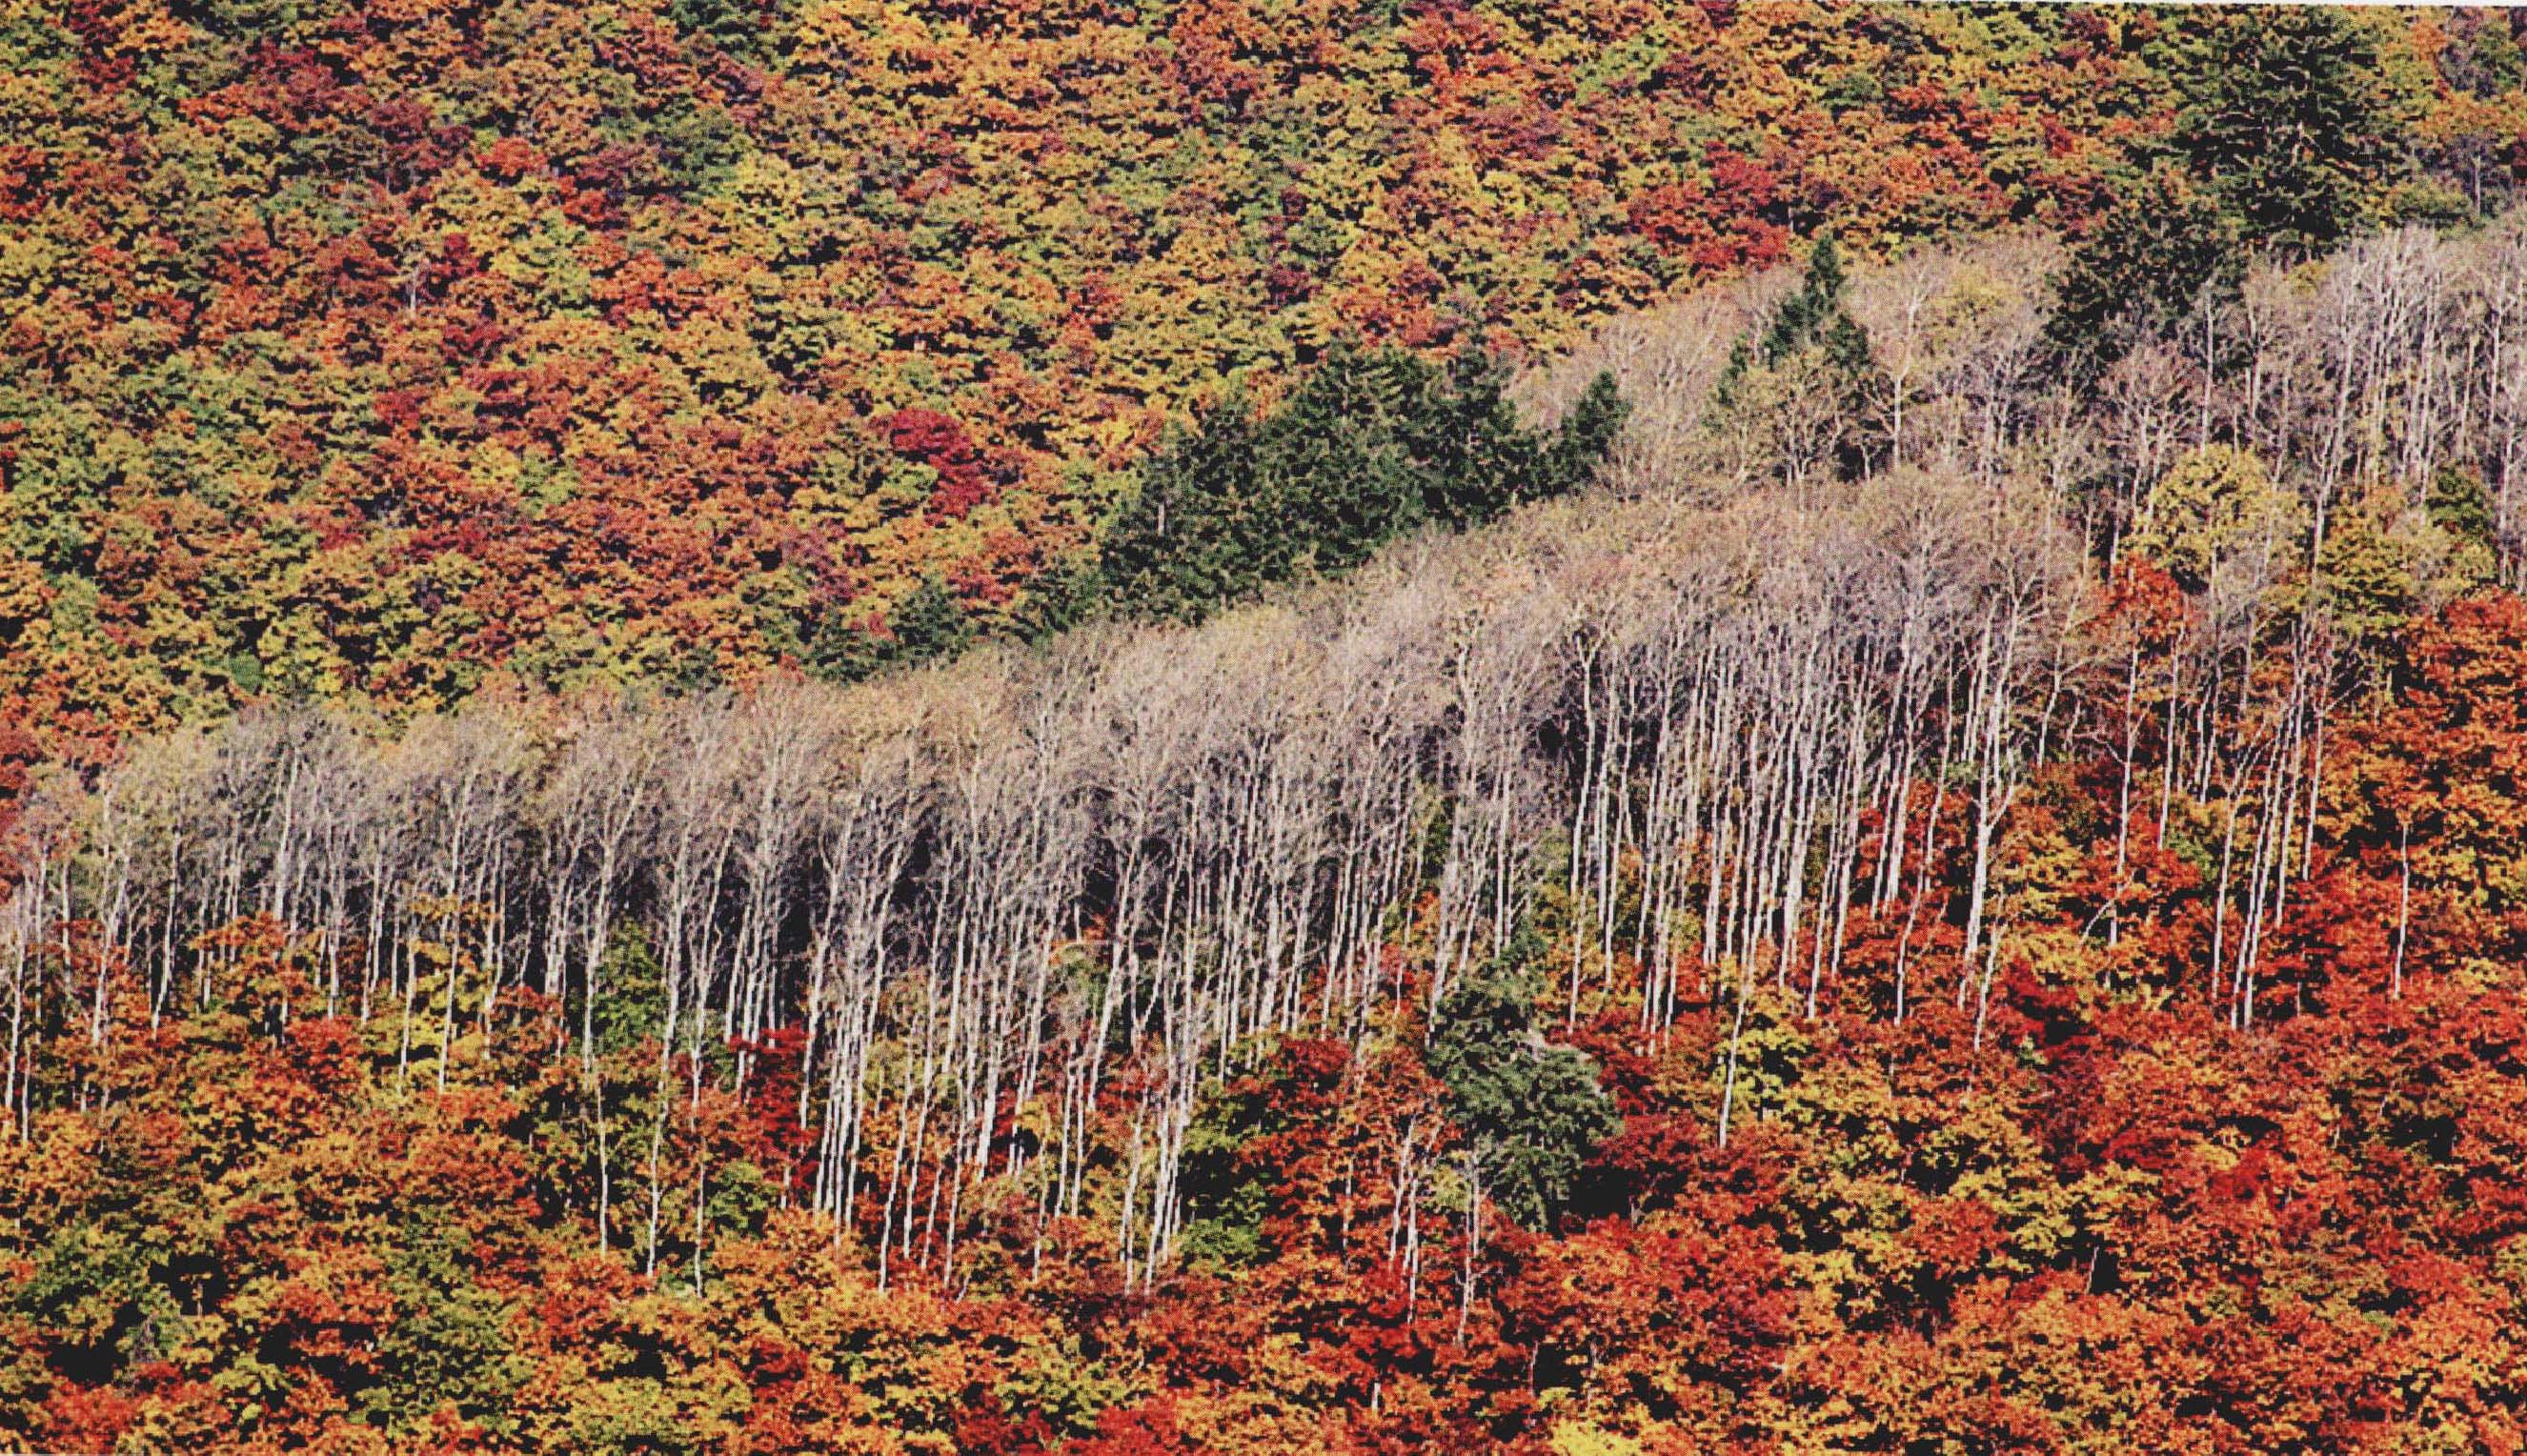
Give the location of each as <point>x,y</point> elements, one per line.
<point>631,1004</point>
<point>448,1346</point>
<point>1226,1194</point>
<point>2218,507</point>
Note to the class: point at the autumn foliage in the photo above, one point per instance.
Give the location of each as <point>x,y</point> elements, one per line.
<point>2106,1219</point>
<point>740,726</point>
<point>382,353</point>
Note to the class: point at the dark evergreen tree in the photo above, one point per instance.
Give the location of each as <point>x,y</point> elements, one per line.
<point>2163,246</point>
<point>1200,530</point>
<point>2291,119</point>
<point>1479,458</point>
<point>1812,318</point>
<point>928,625</point>
<point>1060,596</point>
<point>839,650</point>
<point>1587,436</point>
<point>1373,443</point>
<point>1533,1111</point>
<point>1814,353</point>
<point>742,29</point>
<point>2286,138</point>
<point>1335,463</point>
<point>1814,314</point>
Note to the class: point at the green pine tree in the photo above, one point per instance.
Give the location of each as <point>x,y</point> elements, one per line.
<point>1803,318</point>
<point>1062,596</point>
<point>840,651</point>
<point>2287,138</point>
<point>1373,443</point>
<point>1197,533</point>
<point>2292,120</point>
<point>1534,1111</point>
<point>2460,505</point>
<point>1464,431</point>
<point>1802,392</point>
<point>1587,436</point>
<point>1335,462</point>
<point>928,625</point>
<point>2163,246</point>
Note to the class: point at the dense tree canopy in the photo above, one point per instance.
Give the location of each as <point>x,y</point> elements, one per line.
<point>1533,1114</point>
<point>378,353</point>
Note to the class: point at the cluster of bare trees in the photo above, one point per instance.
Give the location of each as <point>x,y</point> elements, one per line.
<point>2404,353</point>
<point>1034,887</point>
<point>1000,884</point>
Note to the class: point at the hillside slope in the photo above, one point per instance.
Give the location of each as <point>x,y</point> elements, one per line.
<point>371,353</point>
<point>1944,907</point>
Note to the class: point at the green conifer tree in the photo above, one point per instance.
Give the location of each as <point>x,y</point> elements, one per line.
<point>928,625</point>
<point>1534,1111</point>
<point>1587,436</point>
<point>1200,530</point>
<point>1802,393</point>
<point>1466,436</point>
<point>1335,464</point>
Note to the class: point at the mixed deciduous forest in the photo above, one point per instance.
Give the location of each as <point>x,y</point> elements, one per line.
<point>752,726</point>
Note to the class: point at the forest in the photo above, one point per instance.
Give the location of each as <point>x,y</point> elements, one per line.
<point>835,727</point>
